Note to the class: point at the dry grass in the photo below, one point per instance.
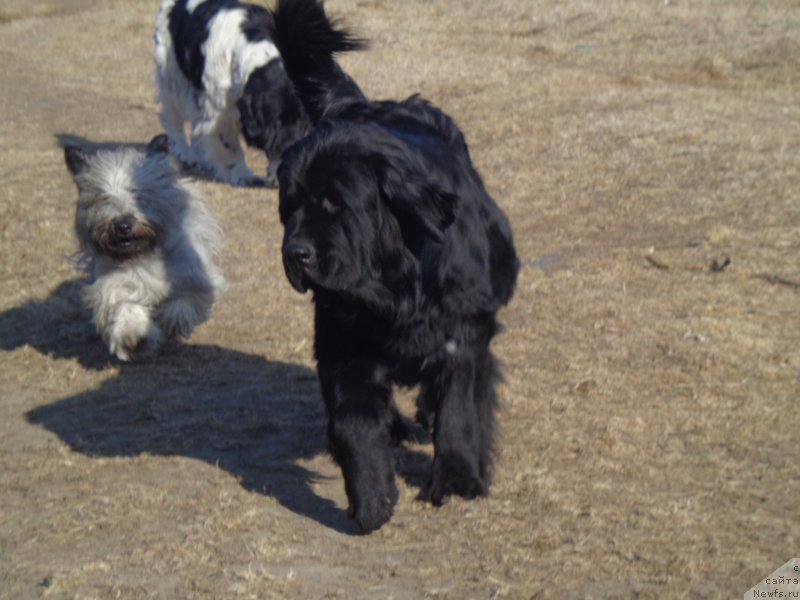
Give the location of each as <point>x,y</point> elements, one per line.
<point>650,413</point>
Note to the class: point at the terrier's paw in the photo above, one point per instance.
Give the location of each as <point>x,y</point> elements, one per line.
<point>133,335</point>
<point>179,317</point>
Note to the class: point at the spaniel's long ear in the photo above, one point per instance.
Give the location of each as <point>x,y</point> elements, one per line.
<point>414,194</point>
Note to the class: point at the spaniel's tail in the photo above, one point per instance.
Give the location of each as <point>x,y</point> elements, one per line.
<point>307,40</point>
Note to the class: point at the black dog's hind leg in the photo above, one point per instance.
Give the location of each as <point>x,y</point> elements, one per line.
<point>362,424</point>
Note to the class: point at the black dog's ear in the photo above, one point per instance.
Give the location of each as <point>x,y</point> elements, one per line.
<point>251,124</point>
<point>158,145</point>
<point>76,159</point>
<point>412,195</point>
<point>246,116</point>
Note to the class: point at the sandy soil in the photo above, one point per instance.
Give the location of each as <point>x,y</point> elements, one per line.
<point>650,412</point>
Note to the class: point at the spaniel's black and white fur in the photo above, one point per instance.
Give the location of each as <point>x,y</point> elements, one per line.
<point>409,259</point>
<point>218,69</point>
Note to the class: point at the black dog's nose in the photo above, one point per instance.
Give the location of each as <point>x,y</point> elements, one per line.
<point>298,252</point>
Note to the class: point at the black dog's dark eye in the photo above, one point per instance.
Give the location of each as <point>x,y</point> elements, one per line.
<point>330,207</point>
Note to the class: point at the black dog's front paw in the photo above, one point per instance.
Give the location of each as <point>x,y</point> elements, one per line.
<point>371,510</point>
<point>452,476</point>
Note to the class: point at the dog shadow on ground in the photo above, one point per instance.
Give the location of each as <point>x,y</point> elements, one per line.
<point>249,416</point>
<point>252,417</point>
<point>58,326</point>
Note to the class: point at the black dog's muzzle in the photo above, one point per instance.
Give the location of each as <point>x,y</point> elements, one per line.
<point>299,259</point>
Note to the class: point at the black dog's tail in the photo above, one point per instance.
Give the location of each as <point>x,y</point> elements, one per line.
<point>307,40</point>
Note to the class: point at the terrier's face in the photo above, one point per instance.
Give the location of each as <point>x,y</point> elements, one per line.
<point>118,213</point>
<point>124,237</point>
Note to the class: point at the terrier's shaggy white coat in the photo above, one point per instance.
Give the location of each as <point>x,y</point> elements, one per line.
<point>148,244</point>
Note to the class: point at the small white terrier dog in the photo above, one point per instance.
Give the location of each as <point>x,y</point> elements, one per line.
<point>218,70</point>
<point>148,243</point>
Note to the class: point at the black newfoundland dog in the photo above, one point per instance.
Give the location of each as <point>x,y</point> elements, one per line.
<point>409,260</point>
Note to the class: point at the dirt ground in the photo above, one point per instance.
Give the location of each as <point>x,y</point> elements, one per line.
<point>648,154</point>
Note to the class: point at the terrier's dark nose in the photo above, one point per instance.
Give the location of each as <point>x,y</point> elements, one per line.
<point>123,226</point>
<point>298,252</point>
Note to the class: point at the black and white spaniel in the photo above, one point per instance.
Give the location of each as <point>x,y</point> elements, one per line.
<point>409,259</point>
<point>218,69</point>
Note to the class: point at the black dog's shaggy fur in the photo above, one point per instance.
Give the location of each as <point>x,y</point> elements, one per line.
<point>409,260</point>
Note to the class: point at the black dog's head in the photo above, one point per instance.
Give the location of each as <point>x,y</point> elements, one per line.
<point>272,116</point>
<point>360,207</point>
